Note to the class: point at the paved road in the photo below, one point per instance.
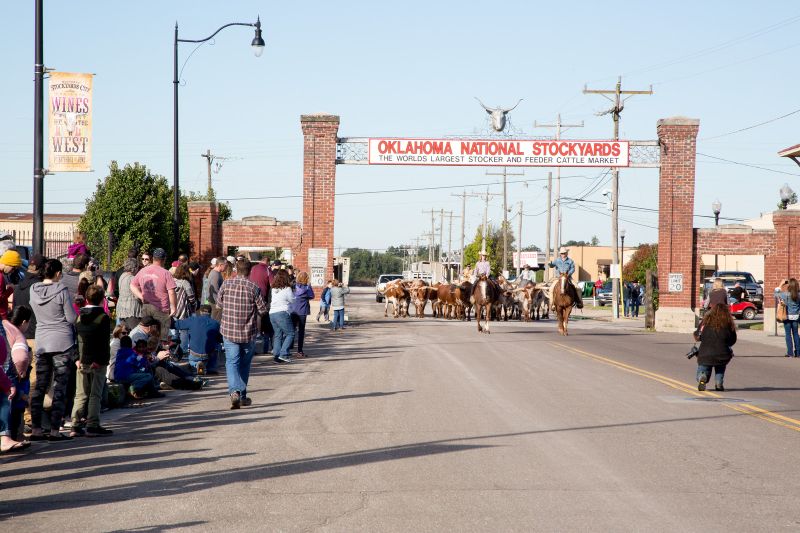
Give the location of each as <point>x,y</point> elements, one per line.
<point>415,425</point>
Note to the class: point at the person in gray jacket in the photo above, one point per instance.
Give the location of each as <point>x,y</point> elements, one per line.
<point>55,348</point>
<point>337,304</point>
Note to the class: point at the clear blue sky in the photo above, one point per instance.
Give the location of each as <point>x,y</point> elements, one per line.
<point>412,69</point>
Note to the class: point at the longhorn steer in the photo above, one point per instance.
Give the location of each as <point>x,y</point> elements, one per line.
<point>397,295</point>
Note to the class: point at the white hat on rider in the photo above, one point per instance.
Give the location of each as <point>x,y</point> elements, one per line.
<point>482,254</point>
<point>563,250</point>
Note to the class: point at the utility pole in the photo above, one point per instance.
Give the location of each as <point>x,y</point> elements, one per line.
<point>616,111</point>
<point>505,175</point>
<point>464,195</point>
<point>450,247</point>
<point>486,196</point>
<point>519,242</point>
<point>549,220</point>
<point>559,126</point>
<point>432,234</point>
<point>209,160</point>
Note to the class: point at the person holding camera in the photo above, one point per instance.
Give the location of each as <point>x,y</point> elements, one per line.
<point>717,333</point>
<point>337,304</point>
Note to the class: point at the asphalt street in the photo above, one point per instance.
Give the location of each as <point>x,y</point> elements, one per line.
<point>426,425</point>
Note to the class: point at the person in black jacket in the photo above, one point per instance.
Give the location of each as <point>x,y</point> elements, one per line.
<point>716,334</point>
<point>94,329</point>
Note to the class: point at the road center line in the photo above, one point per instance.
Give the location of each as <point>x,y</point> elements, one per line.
<point>748,409</point>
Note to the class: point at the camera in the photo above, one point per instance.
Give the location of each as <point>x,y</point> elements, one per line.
<point>693,352</point>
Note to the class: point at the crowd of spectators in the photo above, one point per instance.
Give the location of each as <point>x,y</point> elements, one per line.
<point>75,341</point>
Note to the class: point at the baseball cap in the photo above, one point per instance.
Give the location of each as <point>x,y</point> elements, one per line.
<point>36,262</point>
<point>277,262</point>
<point>159,253</point>
<point>148,321</point>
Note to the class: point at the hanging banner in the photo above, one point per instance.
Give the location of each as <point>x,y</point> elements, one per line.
<point>70,122</point>
<point>497,152</point>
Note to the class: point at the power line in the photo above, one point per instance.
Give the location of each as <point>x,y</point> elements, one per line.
<point>751,127</point>
<point>647,209</point>
<point>748,165</point>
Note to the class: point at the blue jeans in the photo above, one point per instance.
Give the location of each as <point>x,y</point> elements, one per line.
<point>790,328</point>
<point>338,319</point>
<point>5,413</point>
<point>210,360</point>
<point>626,305</point>
<point>704,372</point>
<point>184,335</point>
<point>284,333</point>
<point>634,305</point>
<point>238,356</point>
<point>141,382</point>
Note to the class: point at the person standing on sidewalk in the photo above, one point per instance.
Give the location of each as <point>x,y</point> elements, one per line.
<point>791,299</point>
<point>337,304</point>
<point>282,302</point>
<point>154,286</point>
<point>129,308</point>
<point>325,301</point>
<point>260,275</point>
<point>303,294</point>
<point>242,303</point>
<point>94,329</point>
<point>55,348</point>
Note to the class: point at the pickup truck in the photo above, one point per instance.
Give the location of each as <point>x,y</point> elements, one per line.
<point>754,288</point>
<point>380,285</point>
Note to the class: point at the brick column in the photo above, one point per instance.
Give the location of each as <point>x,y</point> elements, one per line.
<point>204,231</point>
<point>676,250</point>
<point>783,263</point>
<point>319,187</point>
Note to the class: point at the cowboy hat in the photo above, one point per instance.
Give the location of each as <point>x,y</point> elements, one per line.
<point>563,250</point>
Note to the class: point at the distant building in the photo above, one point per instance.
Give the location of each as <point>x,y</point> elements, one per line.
<point>21,225</point>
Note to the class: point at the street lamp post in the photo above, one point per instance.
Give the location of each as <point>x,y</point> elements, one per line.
<point>786,194</point>
<point>258,49</point>
<point>716,207</point>
<point>38,133</point>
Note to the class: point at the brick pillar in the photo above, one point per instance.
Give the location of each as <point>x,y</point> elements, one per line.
<point>676,249</point>
<point>319,187</point>
<point>782,263</point>
<point>204,231</point>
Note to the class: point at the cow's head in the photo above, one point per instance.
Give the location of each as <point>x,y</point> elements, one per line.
<point>497,115</point>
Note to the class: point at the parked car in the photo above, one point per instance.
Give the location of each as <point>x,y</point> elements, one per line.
<point>604,294</point>
<point>380,285</point>
<point>754,288</point>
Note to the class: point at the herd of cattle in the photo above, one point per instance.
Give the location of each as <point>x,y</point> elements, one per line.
<point>456,301</point>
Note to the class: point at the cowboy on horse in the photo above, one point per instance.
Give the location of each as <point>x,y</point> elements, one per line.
<point>482,268</point>
<point>563,264</point>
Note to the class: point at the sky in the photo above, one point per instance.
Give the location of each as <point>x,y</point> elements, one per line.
<point>413,69</point>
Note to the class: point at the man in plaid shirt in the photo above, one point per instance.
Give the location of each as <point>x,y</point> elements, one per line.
<point>242,303</point>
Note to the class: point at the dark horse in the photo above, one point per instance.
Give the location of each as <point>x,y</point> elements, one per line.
<point>563,300</point>
<point>485,294</point>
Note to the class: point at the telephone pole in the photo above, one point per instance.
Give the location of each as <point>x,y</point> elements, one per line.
<point>559,126</point>
<point>432,234</point>
<point>549,221</point>
<point>616,111</point>
<point>505,175</point>
<point>464,195</point>
<point>519,242</point>
<point>442,213</point>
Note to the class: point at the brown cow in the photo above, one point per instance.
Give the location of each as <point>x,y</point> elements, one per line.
<point>447,300</point>
<point>419,296</point>
<point>397,295</point>
<point>464,295</point>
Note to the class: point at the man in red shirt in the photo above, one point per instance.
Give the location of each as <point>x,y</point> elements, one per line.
<point>155,287</point>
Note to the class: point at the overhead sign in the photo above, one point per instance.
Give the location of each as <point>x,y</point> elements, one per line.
<point>498,152</point>
<point>70,122</point>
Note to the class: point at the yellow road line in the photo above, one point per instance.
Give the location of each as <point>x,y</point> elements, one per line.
<point>746,408</point>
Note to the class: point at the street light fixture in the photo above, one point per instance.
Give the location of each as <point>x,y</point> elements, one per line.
<point>716,208</point>
<point>258,48</point>
<point>786,194</point>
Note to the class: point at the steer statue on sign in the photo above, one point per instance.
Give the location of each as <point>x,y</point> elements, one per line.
<point>498,115</point>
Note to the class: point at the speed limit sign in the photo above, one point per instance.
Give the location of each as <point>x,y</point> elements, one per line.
<point>317,276</point>
<point>675,282</point>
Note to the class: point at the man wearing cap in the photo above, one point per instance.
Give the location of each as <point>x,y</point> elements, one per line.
<point>155,287</point>
<point>564,264</point>
<point>9,261</point>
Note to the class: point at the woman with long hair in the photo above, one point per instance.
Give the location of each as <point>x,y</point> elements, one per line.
<point>282,302</point>
<point>791,299</point>
<point>717,335</point>
<point>303,294</point>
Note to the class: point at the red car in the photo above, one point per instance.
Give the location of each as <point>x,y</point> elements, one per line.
<point>746,310</point>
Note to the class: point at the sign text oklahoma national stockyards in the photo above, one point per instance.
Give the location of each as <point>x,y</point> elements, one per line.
<point>494,152</point>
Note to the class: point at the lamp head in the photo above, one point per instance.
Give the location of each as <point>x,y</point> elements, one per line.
<point>622,233</point>
<point>258,41</point>
<point>716,207</point>
<point>786,193</point>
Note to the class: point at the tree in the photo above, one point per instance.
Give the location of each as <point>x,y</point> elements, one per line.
<point>595,241</point>
<point>531,248</point>
<point>366,266</point>
<point>494,248</point>
<point>643,259</point>
<point>576,243</point>
<point>136,206</point>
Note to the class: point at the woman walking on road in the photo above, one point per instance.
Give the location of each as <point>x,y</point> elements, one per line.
<point>791,299</point>
<point>716,335</point>
<point>303,293</point>
<point>337,304</point>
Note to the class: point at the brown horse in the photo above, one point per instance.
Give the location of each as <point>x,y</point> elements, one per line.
<point>563,300</point>
<point>485,294</point>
